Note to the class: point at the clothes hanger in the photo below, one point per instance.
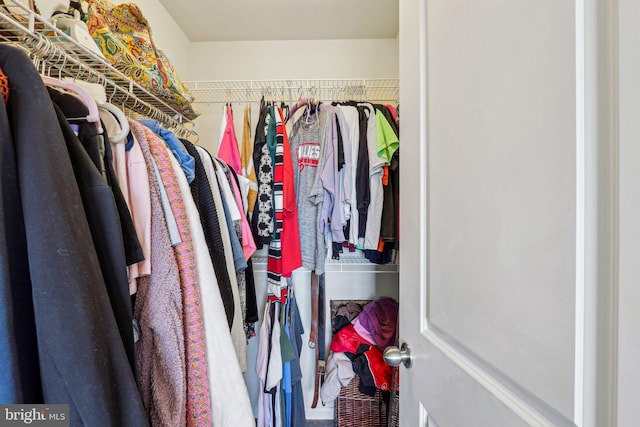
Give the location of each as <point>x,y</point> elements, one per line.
<point>312,104</point>
<point>308,115</point>
<point>86,98</point>
<point>115,112</point>
<point>301,102</point>
<point>134,108</point>
<point>124,108</point>
<point>121,119</point>
<point>268,96</point>
<point>285,109</point>
<point>191,133</point>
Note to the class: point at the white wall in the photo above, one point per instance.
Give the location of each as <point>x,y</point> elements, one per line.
<point>294,59</point>
<point>629,227</point>
<point>264,60</point>
<point>167,35</point>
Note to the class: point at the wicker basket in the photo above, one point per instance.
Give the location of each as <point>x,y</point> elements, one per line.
<point>354,409</point>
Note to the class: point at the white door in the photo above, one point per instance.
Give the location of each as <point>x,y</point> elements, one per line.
<point>495,267</point>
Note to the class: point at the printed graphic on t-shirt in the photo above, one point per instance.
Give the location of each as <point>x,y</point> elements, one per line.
<point>308,155</point>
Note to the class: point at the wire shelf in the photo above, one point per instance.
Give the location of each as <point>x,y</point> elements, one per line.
<point>57,55</point>
<point>242,91</point>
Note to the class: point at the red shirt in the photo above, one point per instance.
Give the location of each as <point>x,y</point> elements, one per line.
<point>291,252</point>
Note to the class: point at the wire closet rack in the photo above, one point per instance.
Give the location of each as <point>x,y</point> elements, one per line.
<point>243,91</point>
<point>57,55</point>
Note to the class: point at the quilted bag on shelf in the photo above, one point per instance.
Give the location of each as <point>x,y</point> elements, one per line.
<point>124,36</point>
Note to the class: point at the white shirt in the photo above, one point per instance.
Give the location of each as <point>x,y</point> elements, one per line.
<point>352,119</point>
<point>230,404</point>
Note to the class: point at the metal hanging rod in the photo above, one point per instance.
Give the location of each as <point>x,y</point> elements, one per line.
<point>57,55</point>
<point>290,90</point>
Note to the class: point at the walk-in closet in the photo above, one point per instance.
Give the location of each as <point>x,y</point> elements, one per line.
<point>214,107</point>
<point>367,213</point>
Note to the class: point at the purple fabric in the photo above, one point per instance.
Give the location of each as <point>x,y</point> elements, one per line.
<point>362,331</point>
<point>380,318</point>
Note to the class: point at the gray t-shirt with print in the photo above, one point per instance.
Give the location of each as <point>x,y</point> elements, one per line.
<point>307,153</point>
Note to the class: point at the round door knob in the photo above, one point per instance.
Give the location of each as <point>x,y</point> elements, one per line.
<point>394,356</point>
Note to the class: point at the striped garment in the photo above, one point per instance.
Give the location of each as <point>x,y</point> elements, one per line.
<point>198,397</point>
<point>276,290</point>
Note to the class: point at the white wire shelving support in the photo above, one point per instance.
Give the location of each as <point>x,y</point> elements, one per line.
<point>57,55</point>
<point>290,90</point>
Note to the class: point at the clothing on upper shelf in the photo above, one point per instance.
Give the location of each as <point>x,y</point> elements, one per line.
<point>346,180</point>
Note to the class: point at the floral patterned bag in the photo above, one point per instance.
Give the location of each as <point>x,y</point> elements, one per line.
<point>124,36</point>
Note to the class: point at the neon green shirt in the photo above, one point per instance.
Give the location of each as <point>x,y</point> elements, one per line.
<point>387,141</point>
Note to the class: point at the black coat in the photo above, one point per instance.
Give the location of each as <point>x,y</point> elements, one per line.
<point>104,224</point>
<point>18,345</point>
<point>82,361</point>
<point>88,135</point>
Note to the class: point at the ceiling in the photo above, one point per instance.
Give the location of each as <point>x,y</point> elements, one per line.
<point>235,20</point>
